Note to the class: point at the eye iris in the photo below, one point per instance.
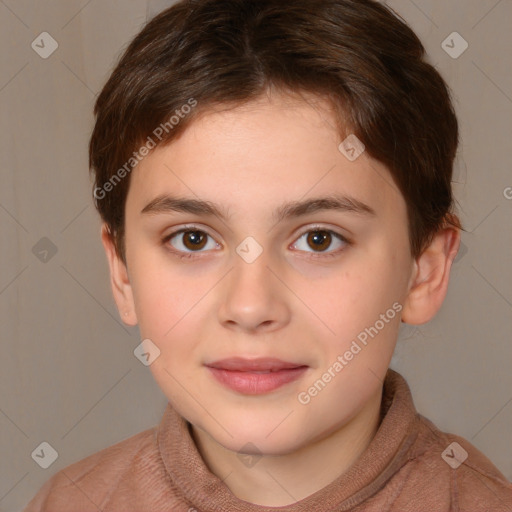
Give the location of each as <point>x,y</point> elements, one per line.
<point>319,238</point>
<point>196,238</point>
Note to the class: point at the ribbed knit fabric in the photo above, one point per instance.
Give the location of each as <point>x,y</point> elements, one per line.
<point>402,470</point>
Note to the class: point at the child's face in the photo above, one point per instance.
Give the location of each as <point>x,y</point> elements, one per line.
<point>303,300</point>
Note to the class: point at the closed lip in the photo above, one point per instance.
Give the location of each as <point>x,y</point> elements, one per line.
<point>263,364</point>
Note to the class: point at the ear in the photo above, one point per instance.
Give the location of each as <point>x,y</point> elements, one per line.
<point>119,280</point>
<point>429,280</point>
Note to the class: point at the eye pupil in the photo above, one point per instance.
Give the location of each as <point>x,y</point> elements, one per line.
<point>319,238</point>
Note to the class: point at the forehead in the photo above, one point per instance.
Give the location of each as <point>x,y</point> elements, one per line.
<point>259,155</point>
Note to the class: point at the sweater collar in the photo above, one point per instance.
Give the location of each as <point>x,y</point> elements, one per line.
<point>385,454</point>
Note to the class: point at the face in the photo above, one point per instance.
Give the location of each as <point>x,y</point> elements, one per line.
<point>275,323</point>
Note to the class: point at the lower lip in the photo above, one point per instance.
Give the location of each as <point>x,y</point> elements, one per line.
<point>257,383</point>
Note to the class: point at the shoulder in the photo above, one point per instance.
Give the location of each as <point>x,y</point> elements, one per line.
<point>454,467</point>
<point>88,482</point>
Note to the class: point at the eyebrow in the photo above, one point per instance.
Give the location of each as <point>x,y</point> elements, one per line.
<point>168,204</point>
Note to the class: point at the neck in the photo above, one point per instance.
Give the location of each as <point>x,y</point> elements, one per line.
<point>280,480</point>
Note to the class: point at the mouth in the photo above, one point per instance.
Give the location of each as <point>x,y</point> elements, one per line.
<point>255,376</point>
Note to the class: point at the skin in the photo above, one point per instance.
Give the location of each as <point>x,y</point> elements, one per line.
<point>293,302</point>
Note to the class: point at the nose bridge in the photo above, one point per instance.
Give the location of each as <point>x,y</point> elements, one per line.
<point>252,296</point>
<point>251,264</point>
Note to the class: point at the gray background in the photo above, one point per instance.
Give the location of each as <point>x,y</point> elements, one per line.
<point>68,375</point>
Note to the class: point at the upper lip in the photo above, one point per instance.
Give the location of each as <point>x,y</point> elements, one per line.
<point>257,365</point>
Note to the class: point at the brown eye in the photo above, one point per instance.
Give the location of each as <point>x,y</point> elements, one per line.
<point>189,241</point>
<point>194,239</point>
<point>319,240</point>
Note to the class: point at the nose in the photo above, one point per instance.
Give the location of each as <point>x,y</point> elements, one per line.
<point>254,298</point>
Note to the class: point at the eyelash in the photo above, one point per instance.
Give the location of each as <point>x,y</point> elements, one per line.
<point>191,255</point>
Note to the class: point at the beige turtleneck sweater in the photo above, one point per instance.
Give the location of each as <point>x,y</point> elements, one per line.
<point>403,470</point>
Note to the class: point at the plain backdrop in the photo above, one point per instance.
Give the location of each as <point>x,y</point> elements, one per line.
<point>68,375</point>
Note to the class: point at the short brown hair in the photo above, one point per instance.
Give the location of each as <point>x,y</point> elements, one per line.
<point>358,54</point>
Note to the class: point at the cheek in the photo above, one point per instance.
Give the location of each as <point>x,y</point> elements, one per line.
<point>161,298</point>
<point>171,299</point>
<point>348,305</point>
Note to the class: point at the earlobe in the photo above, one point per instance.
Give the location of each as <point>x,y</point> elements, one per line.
<point>119,279</point>
<point>430,277</point>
